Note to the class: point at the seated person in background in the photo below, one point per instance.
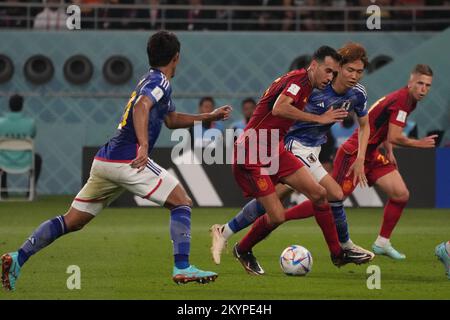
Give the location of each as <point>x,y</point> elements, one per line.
<point>53,17</point>
<point>248,107</point>
<point>15,125</point>
<point>206,105</point>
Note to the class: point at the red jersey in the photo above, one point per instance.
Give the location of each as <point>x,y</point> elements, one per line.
<point>294,84</point>
<point>393,108</point>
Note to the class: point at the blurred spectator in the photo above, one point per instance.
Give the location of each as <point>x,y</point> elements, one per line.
<point>307,19</point>
<point>53,17</point>
<point>206,105</point>
<point>88,14</point>
<point>12,16</point>
<point>18,126</point>
<point>151,16</point>
<point>266,19</point>
<point>121,18</point>
<point>192,19</point>
<point>343,130</point>
<point>248,107</point>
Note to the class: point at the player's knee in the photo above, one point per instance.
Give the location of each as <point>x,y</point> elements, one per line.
<point>319,195</point>
<point>276,220</point>
<point>401,195</point>
<point>336,195</point>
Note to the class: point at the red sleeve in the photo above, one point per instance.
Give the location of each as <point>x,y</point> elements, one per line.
<point>399,113</point>
<point>294,90</point>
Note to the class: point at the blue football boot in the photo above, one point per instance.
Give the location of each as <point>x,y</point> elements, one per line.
<point>191,273</point>
<point>388,250</point>
<point>443,256</point>
<point>10,270</point>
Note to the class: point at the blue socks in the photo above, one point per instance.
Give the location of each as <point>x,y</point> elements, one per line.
<point>340,219</point>
<point>180,233</point>
<point>248,214</point>
<point>45,234</point>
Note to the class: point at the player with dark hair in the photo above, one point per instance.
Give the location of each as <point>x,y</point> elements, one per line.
<point>304,140</point>
<point>281,105</point>
<point>123,163</point>
<point>387,118</point>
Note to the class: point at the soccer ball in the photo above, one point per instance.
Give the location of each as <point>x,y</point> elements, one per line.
<point>296,261</point>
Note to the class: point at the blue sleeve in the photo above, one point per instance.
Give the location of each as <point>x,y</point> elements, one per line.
<point>361,105</point>
<point>154,90</point>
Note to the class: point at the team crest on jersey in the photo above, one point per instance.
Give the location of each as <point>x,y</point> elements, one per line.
<point>346,105</point>
<point>347,186</point>
<point>311,158</point>
<point>262,184</point>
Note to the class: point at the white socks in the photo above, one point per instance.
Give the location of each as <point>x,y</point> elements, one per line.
<point>347,245</point>
<point>382,242</point>
<point>447,247</point>
<point>226,231</point>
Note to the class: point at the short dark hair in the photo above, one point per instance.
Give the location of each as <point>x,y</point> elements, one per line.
<point>352,52</point>
<point>203,99</point>
<point>422,69</point>
<point>248,100</point>
<point>162,48</point>
<point>16,103</point>
<point>326,51</point>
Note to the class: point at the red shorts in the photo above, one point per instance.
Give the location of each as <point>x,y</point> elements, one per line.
<point>254,183</point>
<point>375,167</point>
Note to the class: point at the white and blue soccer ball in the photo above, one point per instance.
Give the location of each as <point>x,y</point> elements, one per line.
<point>296,260</point>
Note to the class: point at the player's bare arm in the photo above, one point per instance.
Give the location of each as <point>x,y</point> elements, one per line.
<point>284,108</point>
<point>140,121</point>
<point>357,167</point>
<point>395,136</point>
<point>175,120</point>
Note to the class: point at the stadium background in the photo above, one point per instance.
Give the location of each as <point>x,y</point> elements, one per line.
<point>226,65</point>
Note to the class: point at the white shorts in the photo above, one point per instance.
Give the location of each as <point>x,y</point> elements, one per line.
<point>310,157</point>
<point>108,180</point>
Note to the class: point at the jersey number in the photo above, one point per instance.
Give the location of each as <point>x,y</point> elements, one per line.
<point>123,123</point>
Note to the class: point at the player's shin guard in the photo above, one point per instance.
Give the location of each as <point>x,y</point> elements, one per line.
<point>45,234</point>
<point>325,220</point>
<point>340,219</point>
<point>180,233</point>
<point>260,229</point>
<point>249,213</point>
<point>392,213</point>
<point>301,211</point>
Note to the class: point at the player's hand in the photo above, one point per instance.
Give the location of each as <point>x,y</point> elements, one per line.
<point>332,115</point>
<point>357,169</point>
<point>222,113</point>
<point>427,142</point>
<point>141,159</point>
<point>391,157</point>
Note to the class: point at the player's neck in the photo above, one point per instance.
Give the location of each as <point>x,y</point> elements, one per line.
<point>168,72</point>
<point>339,87</point>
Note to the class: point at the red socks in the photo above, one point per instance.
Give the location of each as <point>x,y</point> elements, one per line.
<point>300,211</point>
<point>325,220</point>
<point>392,212</point>
<point>260,229</point>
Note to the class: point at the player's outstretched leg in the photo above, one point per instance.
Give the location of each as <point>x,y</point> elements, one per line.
<point>442,251</point>
<point>44,235</point>
<point>221,233</point>
<point>180,232</point>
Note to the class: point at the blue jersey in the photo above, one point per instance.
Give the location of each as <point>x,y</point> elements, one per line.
<point>313,134</point>
<point>123,147</point>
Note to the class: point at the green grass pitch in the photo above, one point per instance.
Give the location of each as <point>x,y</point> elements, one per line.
<point>127,254</point>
